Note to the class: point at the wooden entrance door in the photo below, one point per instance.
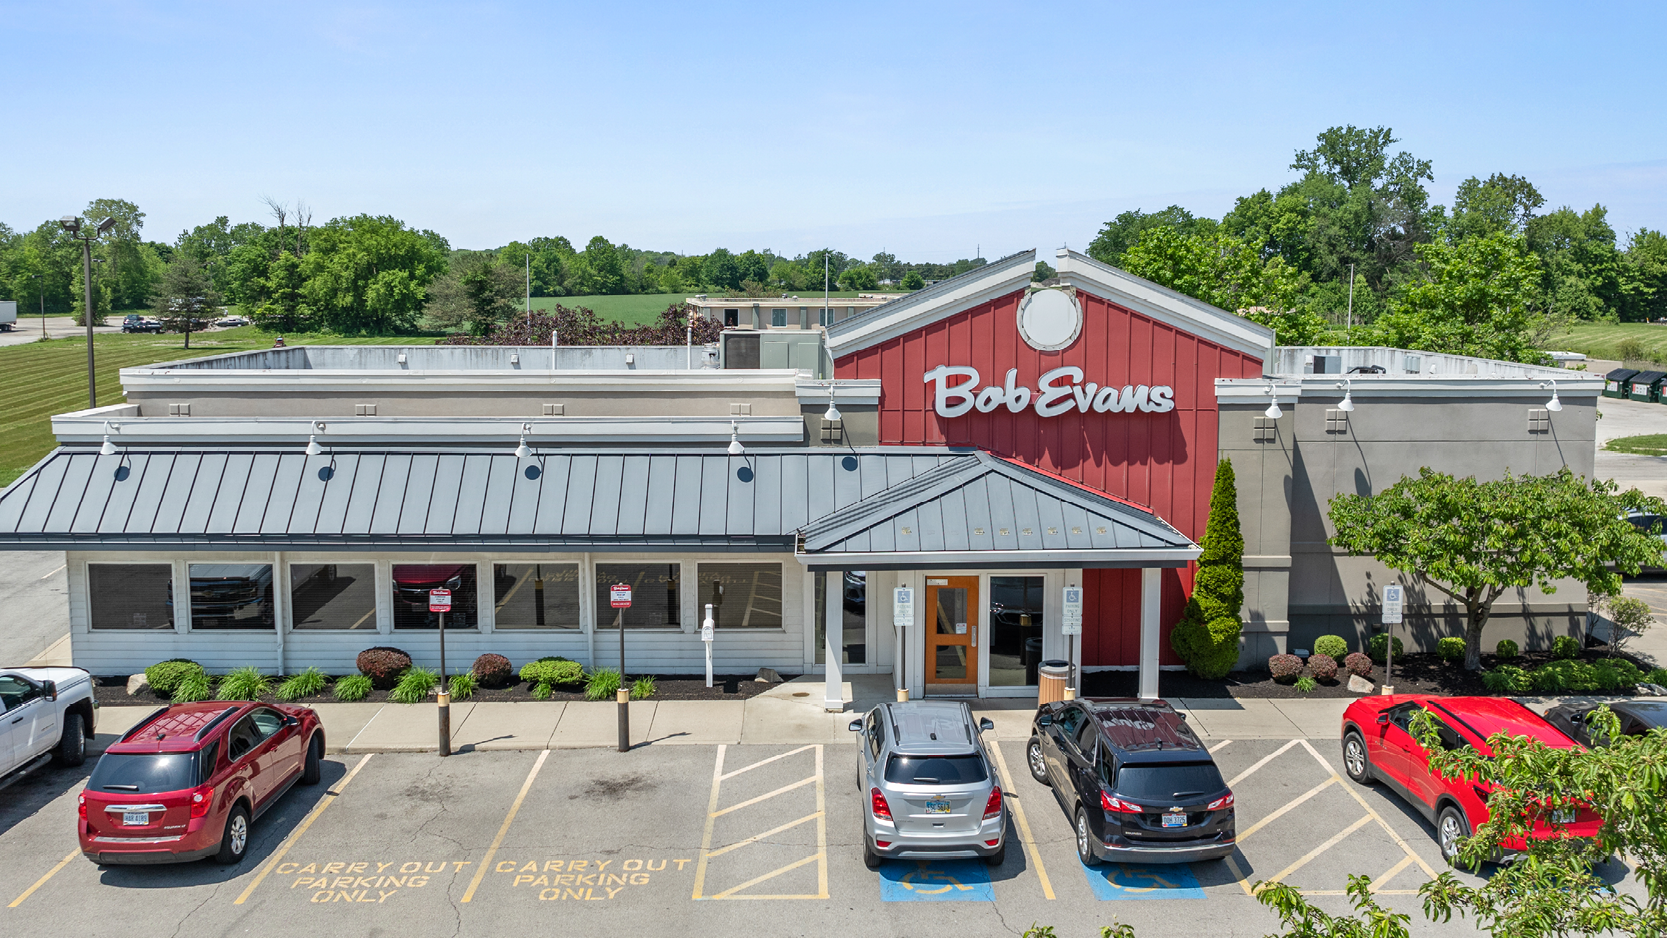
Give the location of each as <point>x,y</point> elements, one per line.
<point>952,630</point>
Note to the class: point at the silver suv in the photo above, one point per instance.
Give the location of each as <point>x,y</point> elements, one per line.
<point>931,786</point>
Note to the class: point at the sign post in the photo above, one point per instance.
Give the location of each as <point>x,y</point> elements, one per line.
<point>1392,599</point>
<point>619,596</point>
<point>902,616</point>
<point>1070,626</point>
<point>440,601</point>
<point>707,628</point>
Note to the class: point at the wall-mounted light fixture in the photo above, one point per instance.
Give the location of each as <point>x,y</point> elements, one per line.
<point>1347,406</point>
<point>109,448</point>
<point>1554,404</point>
<point>1273,410</point>
<point>735,447</point>
<point>313,449</point>
<point>523,451</point>
<point>832,412</point>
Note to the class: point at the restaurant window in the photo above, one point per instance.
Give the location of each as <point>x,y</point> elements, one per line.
<point>778,318</point>
<point>1015,629</point>
<point>232,596</point>
<point>654,600</point>
<point>332,596</point>
<point>130,595</point>
<point>853,603</point>
<point>412,583</point>
<point>742,595</point>
<point>535,596</point>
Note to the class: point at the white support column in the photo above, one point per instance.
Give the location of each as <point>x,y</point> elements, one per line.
<point>833,609</point>
<point>1151,601</point>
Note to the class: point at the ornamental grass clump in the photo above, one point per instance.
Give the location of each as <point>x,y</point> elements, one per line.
<point>196,686</point>
<point>305,684</point>
<point>352,688</point>
<point>245,683</point>
<point>1207,637</point>
<point>462,686</point>
<point>1306,684</point>
<point>643,687</point>
<point>1285,668</point>
<point>602,685</point>
<point>414,685</point>
<point>383,665</point>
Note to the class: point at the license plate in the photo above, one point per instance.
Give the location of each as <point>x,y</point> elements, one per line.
<point>1562,816</point>
<point>937,806</point>
<point>1174,820</point>
<point>135,818</point>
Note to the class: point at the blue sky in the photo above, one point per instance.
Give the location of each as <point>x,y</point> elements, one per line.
<point>928,130</point>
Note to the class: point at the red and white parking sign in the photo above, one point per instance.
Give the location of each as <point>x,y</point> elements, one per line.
<point>439,600</point>
<point>620,595</point>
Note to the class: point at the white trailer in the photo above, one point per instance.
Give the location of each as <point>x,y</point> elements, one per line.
<point>8,315</point>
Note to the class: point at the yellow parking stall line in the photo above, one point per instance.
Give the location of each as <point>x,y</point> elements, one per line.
<point>768,795</point>
<point>1394,871</point>
<point>1322,848</point>
<point>1399,840</point>
<point>498,841</point>
<point>729,775</point>
<point>1280,813</point>
<point>1264,761</point>
<point>1219,746</point>
<point>731,891</point>
<point>329,798</point>
<point>1238,876</point>
<point>711,819</point>
<point>49,874</point>
<point>769,833</point>
<point>821,829</point>
<point>1025,839</point>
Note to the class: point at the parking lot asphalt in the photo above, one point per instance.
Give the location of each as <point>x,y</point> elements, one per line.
<point>703,840</point>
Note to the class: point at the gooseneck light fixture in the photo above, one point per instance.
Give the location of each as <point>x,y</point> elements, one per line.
<point>1347,405</point>
<point>1554,404</point>
<point>313,449</point>
<point>735,447</point>
<point>523,450</point>
<point>1273,410</point>
<point>109,448</point>
<point>832,413</point>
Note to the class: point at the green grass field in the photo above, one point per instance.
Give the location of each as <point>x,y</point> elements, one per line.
<point>1603,340</point>
<point>1650,444</point>
<point>45,378</point>
<point>641,308</point>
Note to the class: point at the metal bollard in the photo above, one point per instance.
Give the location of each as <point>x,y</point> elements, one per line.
<point>445,722</point>
<point>624,698</point>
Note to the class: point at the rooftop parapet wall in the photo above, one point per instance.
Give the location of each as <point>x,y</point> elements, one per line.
<point>449,358</point>
<point>1291,361</point>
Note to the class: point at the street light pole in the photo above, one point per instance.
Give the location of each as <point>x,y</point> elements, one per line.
<point>40,289</point>
<point>72,224</point>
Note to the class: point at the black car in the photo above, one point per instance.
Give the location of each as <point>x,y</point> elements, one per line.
<point>1135,780</point>
<point>137,323</point>
<point>1637,718</point>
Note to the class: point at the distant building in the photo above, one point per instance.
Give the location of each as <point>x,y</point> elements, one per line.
<point>785,312</point>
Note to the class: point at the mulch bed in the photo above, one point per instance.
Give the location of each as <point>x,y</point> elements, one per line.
<point>112,691</point>
<point>1415,673</point>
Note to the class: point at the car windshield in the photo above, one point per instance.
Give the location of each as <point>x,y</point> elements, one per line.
<point>1169,782</point>
<point>144,773</point>
<point>936,770</point>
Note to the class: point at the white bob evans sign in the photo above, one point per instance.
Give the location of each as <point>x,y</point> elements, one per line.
<point>1057,392</point>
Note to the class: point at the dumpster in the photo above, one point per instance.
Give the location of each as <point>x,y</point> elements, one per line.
<point>1615,383</point>
<point>1646,386</point>
<point>1054,674</point>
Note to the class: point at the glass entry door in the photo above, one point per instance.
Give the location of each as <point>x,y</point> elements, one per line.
<point>952,630</point>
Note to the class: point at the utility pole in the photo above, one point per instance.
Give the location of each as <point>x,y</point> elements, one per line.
<point>41,290</point>
<point>528,262</point>
<point>826,319</point>
<point>72,224</point>
<point>1350,325</point>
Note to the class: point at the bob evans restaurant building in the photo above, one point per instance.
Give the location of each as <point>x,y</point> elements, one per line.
<point>985,441</point>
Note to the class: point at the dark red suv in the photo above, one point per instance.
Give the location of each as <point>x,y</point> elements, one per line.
<point>189,779</point>
<point>1378,746</point>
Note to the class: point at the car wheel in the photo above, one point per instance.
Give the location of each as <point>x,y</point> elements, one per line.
<point>1085,847</point>
<point>1450,830</point>
<point>235,842</point>
<point>1038,764</point>
<point>72,746</point>
<point>870,859</point>
<point>1355,760</point>
<point>997,858</point>
<point>313,770</point>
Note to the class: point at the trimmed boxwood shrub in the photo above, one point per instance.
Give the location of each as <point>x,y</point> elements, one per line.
<point>1358,664</point>
<point>1323,667</point>
<point>1285,668</point>
<point>1449,649</point>
<point>383,665</point>
<point>1506,649</point>
<point>545,673</point>
<point>1565,647</point>
<point>165,676</point>
<point>1377,647</point>
<point>1332,646</point>
<point>492,670</point>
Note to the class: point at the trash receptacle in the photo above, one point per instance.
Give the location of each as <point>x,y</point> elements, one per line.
<point>1053,676</point>
<point>1617,383</point>
<point>1032,658</point>
<point>1646,386</point>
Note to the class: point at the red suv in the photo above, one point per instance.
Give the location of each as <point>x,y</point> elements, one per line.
<point>189,779</point>
<point>1378,746</point>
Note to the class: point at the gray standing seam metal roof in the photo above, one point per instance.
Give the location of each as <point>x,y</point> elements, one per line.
<point>246,499</point>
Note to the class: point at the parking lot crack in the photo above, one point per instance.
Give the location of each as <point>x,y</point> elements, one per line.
<point>195,909</point>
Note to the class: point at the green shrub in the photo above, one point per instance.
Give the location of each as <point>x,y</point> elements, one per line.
<point>1576,677</point>
<point>195,686</point>
<point>383,665</point>
<point>165,676</point>
<point>1323,667</point>
<point>1657,677</point>
<point>1377,645</point>
<point>1207,637</point>
<point>462,686</point>
<point>492,670</point>
<point>1284,668</point>
<point>1306,684</point>
<point>1332,646</point>
<point>414,685</point>
<point>1358,664</point>
<point>1617,674</point>
<point>1565,647</point>
<point>643,687</point>
<point>353,687</point>
<point>1507,679</point>
<point>1506,649</point>
<point>545,673</point>
<point>1448,649</point>
<point>305,684</point>
<point>602,684</point>
<point>245,683</point>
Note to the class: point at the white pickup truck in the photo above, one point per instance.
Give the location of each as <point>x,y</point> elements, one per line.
<point>45,713</point>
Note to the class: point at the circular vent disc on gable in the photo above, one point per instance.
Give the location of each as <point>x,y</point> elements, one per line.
<point>1050,320</point>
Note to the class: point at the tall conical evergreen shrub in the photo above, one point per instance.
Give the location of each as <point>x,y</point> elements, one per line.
<point>1207,637</point>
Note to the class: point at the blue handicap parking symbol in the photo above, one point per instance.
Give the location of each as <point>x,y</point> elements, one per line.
<point>1118,881</point>
<point>936,881</point>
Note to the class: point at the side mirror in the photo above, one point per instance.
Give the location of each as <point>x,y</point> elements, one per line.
<point>49,690</point>
<point>855,726</point>
<point>986,724</point>
<point>1383,718</point>
<point>1044,720</point>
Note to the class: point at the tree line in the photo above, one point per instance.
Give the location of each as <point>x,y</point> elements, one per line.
<point>1493,276</point>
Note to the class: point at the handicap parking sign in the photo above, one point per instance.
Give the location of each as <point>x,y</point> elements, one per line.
<point>936,881</point>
